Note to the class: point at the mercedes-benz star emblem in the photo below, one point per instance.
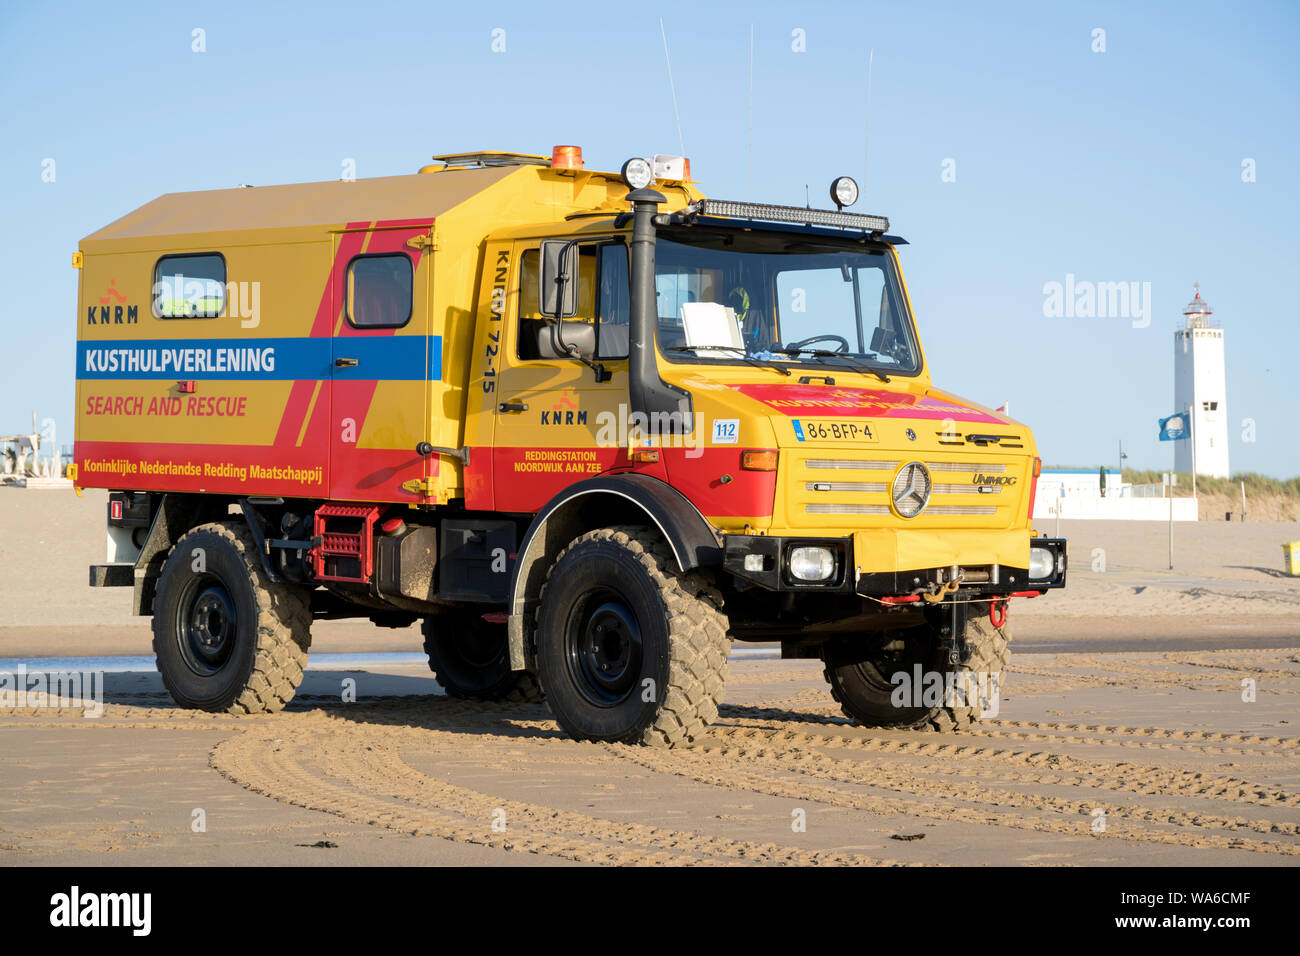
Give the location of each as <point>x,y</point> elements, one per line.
<point>912,489</point>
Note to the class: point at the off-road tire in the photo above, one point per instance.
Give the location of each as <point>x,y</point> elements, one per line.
<point>683,639</point>
<point>856,686</point>
<point>271,625</point>
<point>474,680</point>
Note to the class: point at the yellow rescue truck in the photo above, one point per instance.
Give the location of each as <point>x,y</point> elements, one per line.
<point>587,427</point>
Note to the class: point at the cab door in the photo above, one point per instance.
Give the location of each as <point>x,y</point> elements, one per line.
<point>555,424</point>
<point>383,357</point>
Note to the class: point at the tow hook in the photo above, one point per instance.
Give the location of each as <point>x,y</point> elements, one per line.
<point>998,612</point>
<point>941,591</point>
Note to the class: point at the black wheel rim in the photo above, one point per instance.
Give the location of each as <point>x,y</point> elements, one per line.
<point>207,627</point>
<point>603,648</point>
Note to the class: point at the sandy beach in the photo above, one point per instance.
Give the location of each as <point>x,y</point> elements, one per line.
<point>1124,735</point>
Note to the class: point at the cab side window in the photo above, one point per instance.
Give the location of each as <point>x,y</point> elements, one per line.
<point>601,323</point>
<point>614,314</point>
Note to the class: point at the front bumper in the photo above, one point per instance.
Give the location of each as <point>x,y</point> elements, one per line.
<point>991,562</point>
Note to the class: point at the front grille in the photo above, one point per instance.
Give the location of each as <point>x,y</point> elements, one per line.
<point>823,498</point>
<point>834,508</point>
<point>860,464</point>
<point>852,486</point>
<point>987,468</point>
<point>942,489</point>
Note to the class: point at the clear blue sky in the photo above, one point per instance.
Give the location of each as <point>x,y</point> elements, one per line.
<point>1115,166</point>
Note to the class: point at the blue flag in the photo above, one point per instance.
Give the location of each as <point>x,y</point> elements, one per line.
<point>1175,427</point>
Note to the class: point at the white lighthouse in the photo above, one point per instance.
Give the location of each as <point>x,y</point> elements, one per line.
<point>1200,386</point>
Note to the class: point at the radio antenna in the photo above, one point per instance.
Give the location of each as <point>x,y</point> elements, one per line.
<point>751,112</point>
<point>673,89</point>
<point>866,142</point>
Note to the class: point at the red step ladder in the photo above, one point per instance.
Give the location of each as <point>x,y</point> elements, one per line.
<point>344,542</point>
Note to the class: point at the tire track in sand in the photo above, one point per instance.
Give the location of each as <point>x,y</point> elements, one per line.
<point>731,770</point>
<point>335,766</point>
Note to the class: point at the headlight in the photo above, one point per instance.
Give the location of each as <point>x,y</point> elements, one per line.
<point>844,191</point>
<point>911,491</point>
<point>638,173</point>
<point>1042,564</point>
<point>812,564</point>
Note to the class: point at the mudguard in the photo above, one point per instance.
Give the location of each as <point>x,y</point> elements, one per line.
<point>599,503</point>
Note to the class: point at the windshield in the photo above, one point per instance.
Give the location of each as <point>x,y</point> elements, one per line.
<point>728,295</point>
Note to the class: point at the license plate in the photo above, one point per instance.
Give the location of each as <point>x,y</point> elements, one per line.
<point>805,430</point>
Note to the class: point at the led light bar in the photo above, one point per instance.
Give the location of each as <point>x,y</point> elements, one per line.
<point>727,209</point>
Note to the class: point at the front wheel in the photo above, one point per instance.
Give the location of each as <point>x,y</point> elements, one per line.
<point>903,678</point>
<point>629,649</point>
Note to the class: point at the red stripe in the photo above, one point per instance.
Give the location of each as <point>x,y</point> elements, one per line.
<point>816,401</point>
<point>294,409</point>
<point>381,470</point>
<point>525,479</point>
<point>322,326</point>
<point>349,245</point>
<point>393,240</point>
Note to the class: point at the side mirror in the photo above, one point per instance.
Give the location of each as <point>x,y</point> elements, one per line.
<point>558,293</point>
<point>882,341</point>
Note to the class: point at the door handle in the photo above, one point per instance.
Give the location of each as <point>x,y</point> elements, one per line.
<point>346,363</point>
<point>512,407</point>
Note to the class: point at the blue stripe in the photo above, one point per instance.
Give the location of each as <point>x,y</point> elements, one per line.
<point>388,358</point>
<point>435,358</point>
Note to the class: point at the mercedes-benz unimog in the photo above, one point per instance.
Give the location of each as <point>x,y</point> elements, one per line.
<point>587,427</point>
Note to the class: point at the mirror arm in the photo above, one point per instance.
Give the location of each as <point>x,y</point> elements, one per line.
<point>602,374</point>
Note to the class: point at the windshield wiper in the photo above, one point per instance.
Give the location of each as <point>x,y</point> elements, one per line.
<point>827,353</point>
<point>756,362</point>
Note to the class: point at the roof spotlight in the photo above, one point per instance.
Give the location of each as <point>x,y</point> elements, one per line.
<point>637,173</point>
<point>844,192</point>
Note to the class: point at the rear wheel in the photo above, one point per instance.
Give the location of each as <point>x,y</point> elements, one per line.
<point>471,658</point>
<point>904,679</point>
<point>629,649</point>
<point>226,638</point>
